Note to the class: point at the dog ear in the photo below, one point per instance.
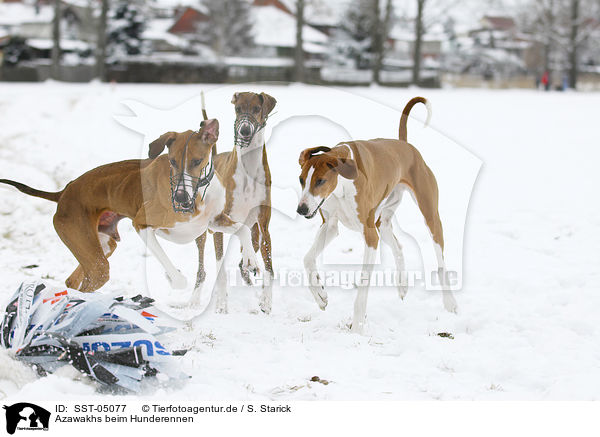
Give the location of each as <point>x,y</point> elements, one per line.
<point>234,98</point>
<point>268,103</point>
<point>209,132</point>
<point>307,153</point>
<point>158,145</point>
<point>344,167</point>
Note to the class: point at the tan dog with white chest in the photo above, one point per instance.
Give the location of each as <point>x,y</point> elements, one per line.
<point>247,179</point>
<point>158,194</point>
<point>360,184</point>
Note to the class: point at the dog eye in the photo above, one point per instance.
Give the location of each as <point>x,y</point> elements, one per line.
<point>196,162</point>
<point>256,109</point>
<point>238,109</point>
<point>173,163</point>
<point>301,181</point>
<point>319,182</point>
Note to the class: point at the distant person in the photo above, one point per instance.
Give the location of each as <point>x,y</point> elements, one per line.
<point>565,82</point>
<point>546,80</point>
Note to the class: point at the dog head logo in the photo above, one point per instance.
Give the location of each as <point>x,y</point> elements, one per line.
<point>25,416</point>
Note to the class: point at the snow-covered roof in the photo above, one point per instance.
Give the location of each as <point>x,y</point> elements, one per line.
<point>172,4</point>
<point>321,12</point>
<point>275,28</point>
<point>159,30</point>
<point>12,14</point>
<point>65,44</point>
<point>259,62</point>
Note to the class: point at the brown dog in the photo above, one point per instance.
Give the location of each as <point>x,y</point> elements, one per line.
<point>247,180</point>
<point>360,183</point>
<point>90,207</point>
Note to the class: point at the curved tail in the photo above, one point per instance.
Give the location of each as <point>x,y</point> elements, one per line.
<point>403,135</point>
<point>205,116</point>
<point>32,191</point>
<point>203,106</point>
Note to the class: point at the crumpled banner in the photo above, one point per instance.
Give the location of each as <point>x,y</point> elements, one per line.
<point>112,339</point>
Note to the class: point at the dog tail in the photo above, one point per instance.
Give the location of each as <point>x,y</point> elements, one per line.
<point>203,106</point>
<point>32,191</point>
<point>205,116</point>
<point>403,135</point>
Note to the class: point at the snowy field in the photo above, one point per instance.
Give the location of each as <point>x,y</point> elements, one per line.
<point>528,307</point>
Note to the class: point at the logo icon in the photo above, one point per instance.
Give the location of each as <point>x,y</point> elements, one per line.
<point>26,416</point>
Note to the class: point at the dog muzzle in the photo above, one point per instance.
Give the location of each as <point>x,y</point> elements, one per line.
<point>184,188</point>
<point>246,126</point>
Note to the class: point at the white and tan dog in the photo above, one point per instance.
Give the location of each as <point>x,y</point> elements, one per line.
<point>360,183</point>
<point>246,176</point>
<point>174,196</point>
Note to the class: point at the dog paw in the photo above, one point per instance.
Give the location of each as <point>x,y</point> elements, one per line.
<point>357,328</point>
<point>178,281</point>
<point>450,303</point>
<point>221,308</point>
<point>402,291</point>
<point>196,297</point>
<point>320,296</point>
<point>249,265</point>
<point>265,304</point>
<point>245,273</point>
<point>200,278</point>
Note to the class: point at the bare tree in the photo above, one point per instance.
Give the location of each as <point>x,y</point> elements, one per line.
<point>377,39</point>
<point>566,28</point>
<point>229,30</point>
<point>55,71</point>
<point>419,30</point>
<point>381,30</point>
<point>299,55</point>
<point>101,42</point>
<point>573,44</point>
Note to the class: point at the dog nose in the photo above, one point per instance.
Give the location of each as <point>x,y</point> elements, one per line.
<point>245,130</point>
<point>181,196</point>
<point>302,209</point>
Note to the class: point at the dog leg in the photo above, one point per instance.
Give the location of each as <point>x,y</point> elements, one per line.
<point>222,223</point>
<point>201,274</point>
<point>220,285</point>
<point>78,232</point>
<point>256,245</point>
<point>176,279</point>
<point>327,232</point>
<point>360,304</point>
<point>108,244</point>
<point>388,237</point>
<point>266,298</point>
<point>447,296</point>
<point>221,282</point>
<point>426,195</point>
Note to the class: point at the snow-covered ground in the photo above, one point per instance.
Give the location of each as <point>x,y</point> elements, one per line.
<point>528,308</point>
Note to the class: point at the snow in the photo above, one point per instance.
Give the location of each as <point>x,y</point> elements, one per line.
<point>65,44</point>
<point>14,14</point>
<point>527,322</point>
<point>275,28</point>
